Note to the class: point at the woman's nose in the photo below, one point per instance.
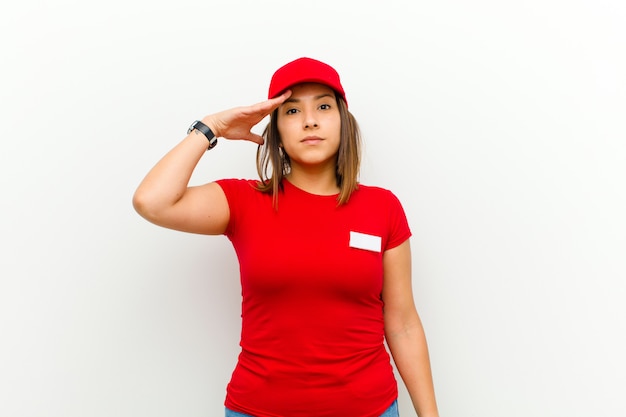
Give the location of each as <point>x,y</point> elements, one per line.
<point>310,121</point>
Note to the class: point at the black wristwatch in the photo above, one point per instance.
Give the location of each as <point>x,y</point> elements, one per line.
<point>206,131</point>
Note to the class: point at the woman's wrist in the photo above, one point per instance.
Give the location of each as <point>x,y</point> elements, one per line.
<point>210,122</point>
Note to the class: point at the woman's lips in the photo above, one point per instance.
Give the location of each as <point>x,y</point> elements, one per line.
<point>311,140</point>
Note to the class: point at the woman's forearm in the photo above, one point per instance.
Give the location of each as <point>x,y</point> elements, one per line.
<point>410,354</point>
<point>167,181</point>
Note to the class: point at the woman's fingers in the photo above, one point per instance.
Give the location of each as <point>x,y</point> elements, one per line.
<point>256,138</point>
<point>237,123</point>
<point>264,108</point>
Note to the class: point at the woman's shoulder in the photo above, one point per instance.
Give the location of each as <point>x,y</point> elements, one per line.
<point>243,183</point>
<point>373,191</point>
<point>376,195</point>
<point>237,181</point>
<point>239,186</point>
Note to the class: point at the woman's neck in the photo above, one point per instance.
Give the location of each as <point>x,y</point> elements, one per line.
<point>320,182</point>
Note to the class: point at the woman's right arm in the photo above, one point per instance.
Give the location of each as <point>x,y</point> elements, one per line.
<point>164,196</point>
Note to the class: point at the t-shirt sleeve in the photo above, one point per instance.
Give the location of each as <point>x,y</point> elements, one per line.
<point>239,193</point>
<point>399,230</point>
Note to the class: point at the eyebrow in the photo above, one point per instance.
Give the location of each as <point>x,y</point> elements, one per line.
<point>297,100</point>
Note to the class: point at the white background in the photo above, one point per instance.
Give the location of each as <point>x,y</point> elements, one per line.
<point>500,126</point>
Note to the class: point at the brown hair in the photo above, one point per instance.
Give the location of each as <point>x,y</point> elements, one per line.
<point>273,163</point>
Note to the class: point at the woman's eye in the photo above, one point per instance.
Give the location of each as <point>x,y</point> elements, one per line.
<point>291,111</point>
<point>325,106</point>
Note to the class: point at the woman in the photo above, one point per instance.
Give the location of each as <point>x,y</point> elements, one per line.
<point>325,262</point>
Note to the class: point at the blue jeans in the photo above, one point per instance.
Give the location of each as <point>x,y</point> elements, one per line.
<point>392,411</point>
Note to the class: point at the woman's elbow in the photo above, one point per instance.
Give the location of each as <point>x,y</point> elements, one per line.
<point>143,205</point>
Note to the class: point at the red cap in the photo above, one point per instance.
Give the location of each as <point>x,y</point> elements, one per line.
<point>305,70</point>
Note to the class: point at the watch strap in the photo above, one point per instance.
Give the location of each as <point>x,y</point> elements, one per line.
<point>206,131</point>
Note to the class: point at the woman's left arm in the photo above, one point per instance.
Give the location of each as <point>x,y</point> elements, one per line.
<point>404,332</point>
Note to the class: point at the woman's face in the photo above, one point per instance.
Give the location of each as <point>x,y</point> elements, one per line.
<point>309,125</point>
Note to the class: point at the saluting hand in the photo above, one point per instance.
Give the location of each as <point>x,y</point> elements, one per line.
<point>237,123</point>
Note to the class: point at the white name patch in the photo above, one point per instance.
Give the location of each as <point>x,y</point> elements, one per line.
<point>365,241</point>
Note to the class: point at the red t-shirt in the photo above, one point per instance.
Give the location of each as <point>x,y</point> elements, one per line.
<point>312,315</point>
